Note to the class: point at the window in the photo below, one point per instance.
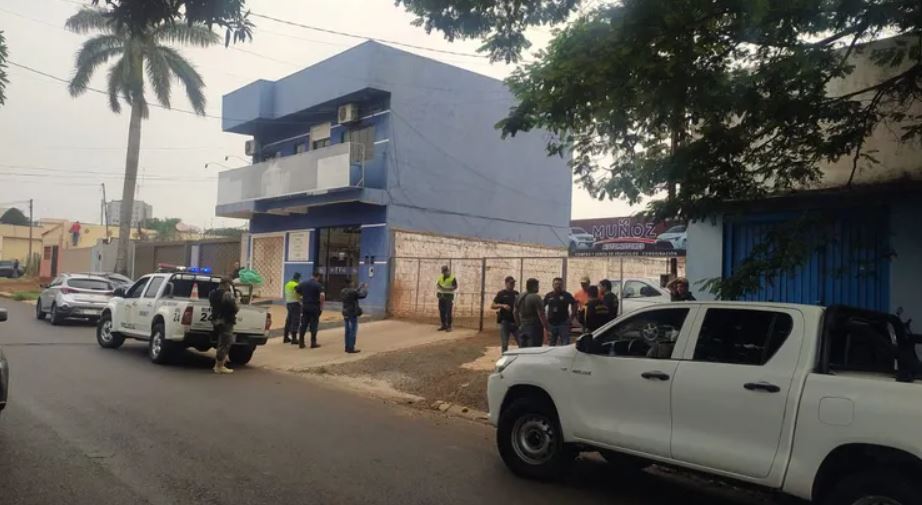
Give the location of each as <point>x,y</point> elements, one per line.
<point>90,284</point>
<point>153,288</point>
<point>363,143</point>
<point>637,289</point>
<point>742,337</point>
<point>301,147</point>
<point>651,334</point>
<point>860,344</point>
<point>182,286</point>
<point>137,288</point>
<point>46,253</point>
<point>318,144</point>
<point>57,282</point>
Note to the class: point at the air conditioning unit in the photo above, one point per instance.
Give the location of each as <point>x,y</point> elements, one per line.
<point>348,113</point>
<point>250,147</point>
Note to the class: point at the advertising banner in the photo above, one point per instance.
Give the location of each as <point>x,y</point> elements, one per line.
<point>626,236</point>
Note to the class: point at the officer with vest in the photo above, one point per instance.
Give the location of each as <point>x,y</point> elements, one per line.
<point>446,285</point>
<point>293,304</point>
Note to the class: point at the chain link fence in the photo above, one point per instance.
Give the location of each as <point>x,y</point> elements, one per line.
<point>413,283</point>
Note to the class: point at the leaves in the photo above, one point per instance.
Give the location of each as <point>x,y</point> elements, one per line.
<point>3,78</point>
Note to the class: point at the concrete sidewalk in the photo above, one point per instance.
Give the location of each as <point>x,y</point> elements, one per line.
<point>373,338</point>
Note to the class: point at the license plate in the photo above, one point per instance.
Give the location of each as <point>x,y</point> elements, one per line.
<point>89,312</point>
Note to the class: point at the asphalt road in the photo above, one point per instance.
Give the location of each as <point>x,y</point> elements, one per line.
<point>92,426</point>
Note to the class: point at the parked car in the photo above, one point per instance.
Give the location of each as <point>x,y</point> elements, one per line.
<point>580,239</point>
<point>4,371</point>
<point>640,293</point>
<point>10,270</point>
<point>818,403</point>
<point>117,279</point>
<point>70,296</point>
<point>171,312</point>
<point>675,237</point>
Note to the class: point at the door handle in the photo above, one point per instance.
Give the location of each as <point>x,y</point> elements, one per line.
<point>655,375</point>
<point>762,386</point>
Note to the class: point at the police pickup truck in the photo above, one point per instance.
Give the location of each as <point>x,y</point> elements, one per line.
<point>171,312</point>
<point>819,403</point>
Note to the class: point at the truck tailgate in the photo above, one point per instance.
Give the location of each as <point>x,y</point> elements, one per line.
<point>250,320</point>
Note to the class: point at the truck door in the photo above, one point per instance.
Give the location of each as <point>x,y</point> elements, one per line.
<point>147,304</point>
<point>621,388</point>
<point>730,401</point>
<point>127,309</point>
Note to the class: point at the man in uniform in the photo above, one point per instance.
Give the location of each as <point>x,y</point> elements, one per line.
<point>446,285</point>
<point>293,304</point>
<point>223,316</point>
<point>503,303</point>
<point>312,298</point>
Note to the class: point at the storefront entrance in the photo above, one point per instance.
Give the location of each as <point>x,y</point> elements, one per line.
<point>338,258</point>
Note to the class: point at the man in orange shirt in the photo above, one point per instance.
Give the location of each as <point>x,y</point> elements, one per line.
<point>582,298</point>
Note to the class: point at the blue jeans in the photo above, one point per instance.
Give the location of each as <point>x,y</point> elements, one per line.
<point>531,335</point>
<point>559,334</point>
<point>507,329</point>
<point>352,328</point>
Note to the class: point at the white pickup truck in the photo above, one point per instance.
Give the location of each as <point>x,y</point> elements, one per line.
<point>171,312</point>
<point>816,403</point>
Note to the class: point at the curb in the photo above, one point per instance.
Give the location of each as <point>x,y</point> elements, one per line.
<point>279,332</point>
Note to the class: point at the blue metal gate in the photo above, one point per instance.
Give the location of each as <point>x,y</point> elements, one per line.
<point>850,265</point>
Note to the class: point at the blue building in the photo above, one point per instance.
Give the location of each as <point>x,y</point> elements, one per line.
<point>374,142</point>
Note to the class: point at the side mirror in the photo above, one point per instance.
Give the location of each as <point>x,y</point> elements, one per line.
<point>43,286</point>
<point>119,292</point>
<point>584,343</point>
<point>2,315</point>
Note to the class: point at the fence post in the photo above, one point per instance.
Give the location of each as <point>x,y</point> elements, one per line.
<point>483,288</point>
<point>563,271</point>
<point>419,266</point>
<point>521,272</point>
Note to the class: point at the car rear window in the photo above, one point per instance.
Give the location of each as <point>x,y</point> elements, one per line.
<point>91,284</point>
<point>182,288</point>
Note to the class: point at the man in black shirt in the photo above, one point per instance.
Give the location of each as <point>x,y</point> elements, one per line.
<point>504,303</point>
<point>678,288</point>
<point>562,309</point>
<point>597,314</point>
<point>608,297</point>
<point>312,298</point>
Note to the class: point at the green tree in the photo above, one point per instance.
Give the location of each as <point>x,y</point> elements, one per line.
<point>141,15</point>
<point>14,216</point>
<point>224,232</point>
<point>136,52</point>
<point>165,228</point>
<point>3,78</point>
<point>692,103</point>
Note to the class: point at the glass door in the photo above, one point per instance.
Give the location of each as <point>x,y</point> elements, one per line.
<point>338,258</point>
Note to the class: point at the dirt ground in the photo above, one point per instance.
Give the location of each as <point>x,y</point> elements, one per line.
<point>454,371</point>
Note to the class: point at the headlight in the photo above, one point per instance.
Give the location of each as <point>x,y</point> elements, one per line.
<point>502,363</point>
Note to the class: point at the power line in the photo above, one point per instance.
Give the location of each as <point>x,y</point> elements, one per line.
<point>365,37</point>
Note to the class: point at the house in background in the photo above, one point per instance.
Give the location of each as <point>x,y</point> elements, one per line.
<point>375,153</point>
<point>56,239</point>
<point>140,212</point>
<point>871,249</point>
<point>14,242</point>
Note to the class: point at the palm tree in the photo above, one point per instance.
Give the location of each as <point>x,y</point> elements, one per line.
<point>135,51</point>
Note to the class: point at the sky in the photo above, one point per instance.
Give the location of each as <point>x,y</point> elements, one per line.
<point>60,151</point>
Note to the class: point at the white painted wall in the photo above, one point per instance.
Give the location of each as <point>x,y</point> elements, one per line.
<point>705,254</point>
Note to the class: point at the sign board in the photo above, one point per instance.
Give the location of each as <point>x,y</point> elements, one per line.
<point>626,236</point>
<point>298,246</point>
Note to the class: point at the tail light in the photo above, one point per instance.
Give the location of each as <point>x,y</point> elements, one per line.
<point>187,317</point>
<point>68,291</point>
<point>268,321</point>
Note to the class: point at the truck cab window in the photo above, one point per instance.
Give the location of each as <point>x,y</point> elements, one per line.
<point>137,288</point>
<point>742,337</point>
<point>153,288</point>
<point>650,334</point>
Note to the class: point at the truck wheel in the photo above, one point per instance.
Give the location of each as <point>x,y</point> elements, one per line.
<point>105,337</point>
<point>878,487</point>
<point>159,349</point>
<point>241,354</point>
<point>55,318</point>
<point>530,441</point>
<point>38,310</point>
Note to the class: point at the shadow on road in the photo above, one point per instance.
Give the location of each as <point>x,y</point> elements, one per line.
<point>184,359</point>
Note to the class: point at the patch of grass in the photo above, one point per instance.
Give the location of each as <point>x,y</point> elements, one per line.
<point>21,296</point>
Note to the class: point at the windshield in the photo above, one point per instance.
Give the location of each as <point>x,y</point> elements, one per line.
<point>676,229</point>
<point>90,284</point>
<point>578,231</point>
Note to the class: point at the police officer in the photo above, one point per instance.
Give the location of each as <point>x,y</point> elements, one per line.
<point>312,298</point>
<point>223,316</point>
<point>446,285</point>
<point>293,304</point>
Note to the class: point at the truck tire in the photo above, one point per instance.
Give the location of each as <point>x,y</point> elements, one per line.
<point>241,354</point>
<point>530,441</point>
<point>888,486</point>
<point>159,349</point>
<point>105,337</point>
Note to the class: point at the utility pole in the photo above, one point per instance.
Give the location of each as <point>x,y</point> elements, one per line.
<point>31,221</point>
<point>104,213</point>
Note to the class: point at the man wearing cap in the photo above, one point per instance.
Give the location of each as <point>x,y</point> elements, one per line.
<point>678,288</point>
<point>445,286</point>
<point>504,304</point>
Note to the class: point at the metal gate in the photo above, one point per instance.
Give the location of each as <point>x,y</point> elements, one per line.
<point>267,260</point>
<point>850,264</point>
